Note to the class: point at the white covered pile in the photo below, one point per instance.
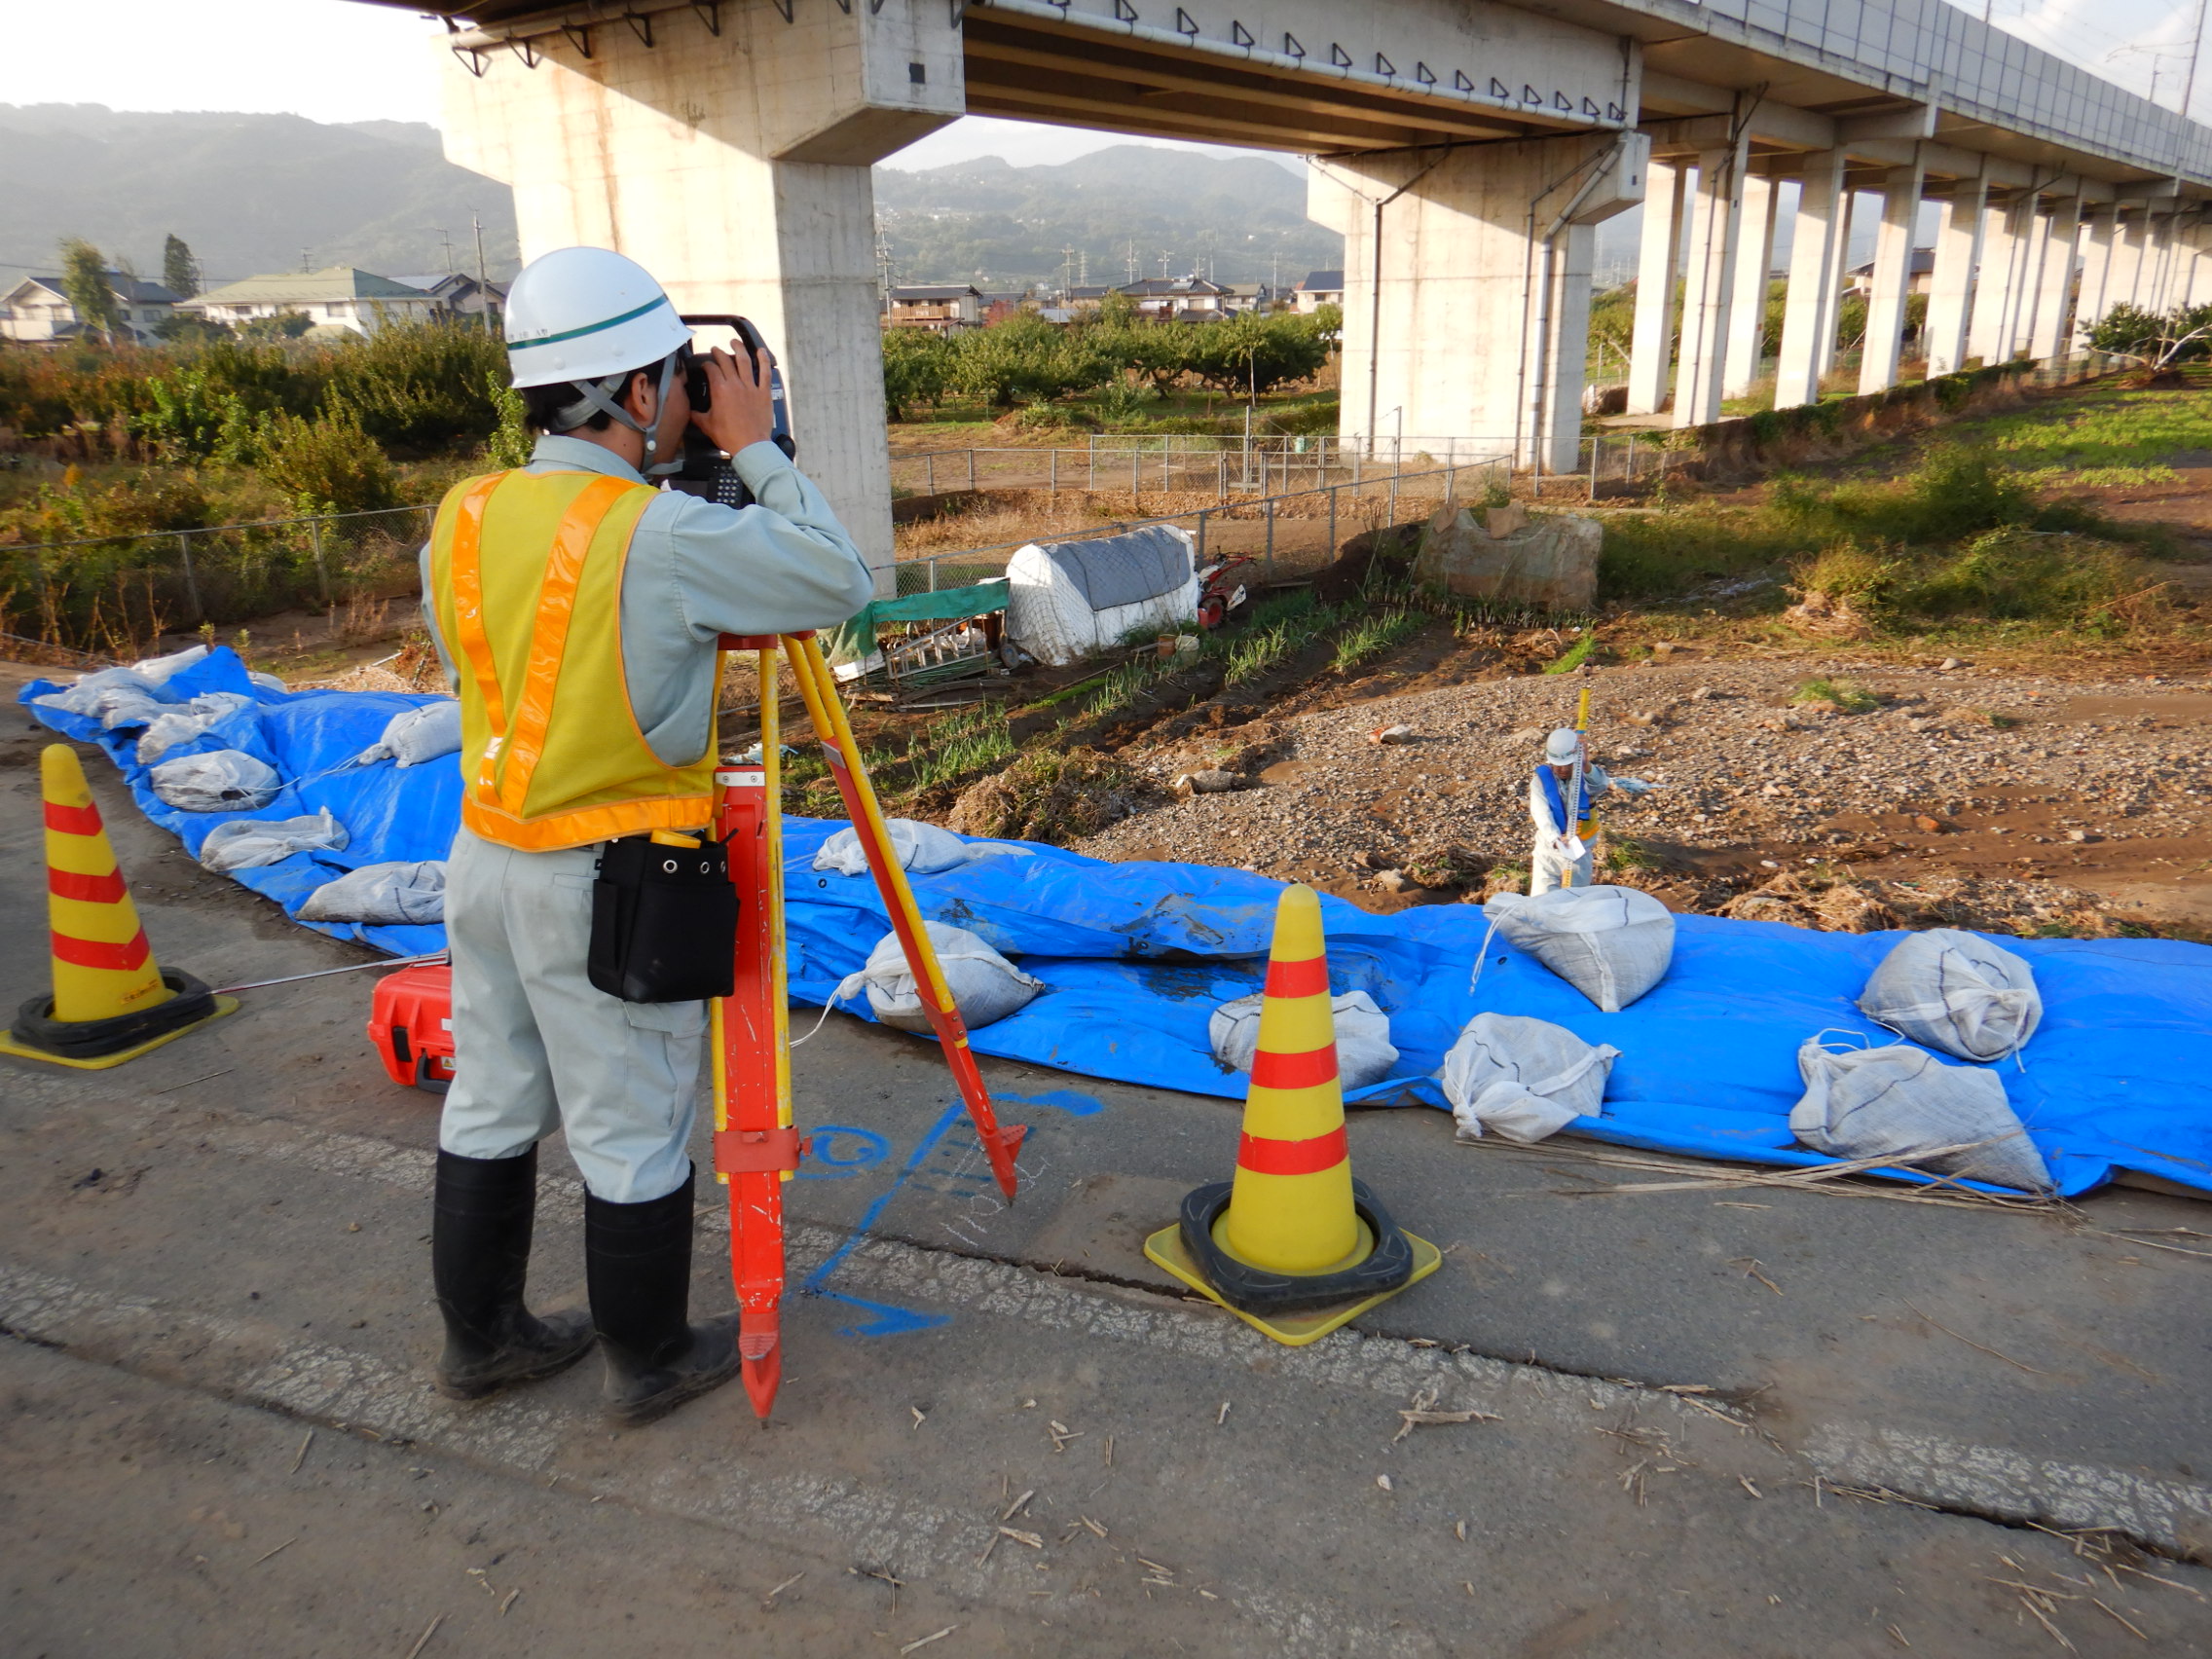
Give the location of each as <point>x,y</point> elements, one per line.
<point>1066,599</point>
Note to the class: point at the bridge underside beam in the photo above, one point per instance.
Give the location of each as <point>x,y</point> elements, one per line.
<point>1033,69</point>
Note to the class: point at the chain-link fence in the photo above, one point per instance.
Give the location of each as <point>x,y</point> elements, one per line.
<point>1252,464</point>
<point>118,591</point>
<point>1292,532</point>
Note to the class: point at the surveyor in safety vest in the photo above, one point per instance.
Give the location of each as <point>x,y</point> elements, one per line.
<point>1561,857</point>
<point>577,609</point>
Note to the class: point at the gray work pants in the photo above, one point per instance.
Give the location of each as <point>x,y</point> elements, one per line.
<point>538,1047</point>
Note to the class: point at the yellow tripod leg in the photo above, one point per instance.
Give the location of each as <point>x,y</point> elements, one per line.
<point>819,688</point>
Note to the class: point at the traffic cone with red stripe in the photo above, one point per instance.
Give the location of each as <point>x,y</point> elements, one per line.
<point>1293,1245</point>
<point>111,1001</point>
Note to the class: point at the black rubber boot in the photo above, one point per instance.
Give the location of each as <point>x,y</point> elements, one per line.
<point>479,1256</point>
<point>639,1261</point>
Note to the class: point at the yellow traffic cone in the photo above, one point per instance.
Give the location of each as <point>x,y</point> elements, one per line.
<point>111,1001</point>
<point>1293,1245</point>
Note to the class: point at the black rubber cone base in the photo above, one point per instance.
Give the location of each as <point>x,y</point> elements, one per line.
<point>1291,1309</point>
<point>94,1045</point>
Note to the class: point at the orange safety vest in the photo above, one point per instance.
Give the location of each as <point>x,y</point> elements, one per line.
<point>526,574</point>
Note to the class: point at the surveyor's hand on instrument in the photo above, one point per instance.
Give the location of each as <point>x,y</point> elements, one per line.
<point>741,412</point>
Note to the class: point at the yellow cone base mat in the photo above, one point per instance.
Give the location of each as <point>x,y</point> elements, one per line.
<point>9,1044</point>
<point>1165,1249</point>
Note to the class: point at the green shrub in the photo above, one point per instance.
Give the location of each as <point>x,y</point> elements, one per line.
<point>328,464</point>
<point>421,389</point>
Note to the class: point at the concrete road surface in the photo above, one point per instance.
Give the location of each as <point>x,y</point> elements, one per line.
<point>1719,1417</point>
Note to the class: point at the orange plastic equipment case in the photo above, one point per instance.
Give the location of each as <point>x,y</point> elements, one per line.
<point>411,1025</point>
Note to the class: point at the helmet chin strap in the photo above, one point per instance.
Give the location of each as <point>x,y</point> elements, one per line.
<point>596,399</point>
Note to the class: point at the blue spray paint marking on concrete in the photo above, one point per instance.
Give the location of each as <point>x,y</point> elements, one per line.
<point>842,1152</point>
<point>885,1320</point>
<point>1066,1099</point>
<point>928,1143</point>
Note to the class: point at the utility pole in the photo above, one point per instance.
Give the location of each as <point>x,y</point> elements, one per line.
<point>303,261</point>
<point>483,281</point>
<point>446,236</point>
<point>2195,46</point>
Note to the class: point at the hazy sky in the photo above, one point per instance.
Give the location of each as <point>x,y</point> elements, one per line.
<point>340,60</point>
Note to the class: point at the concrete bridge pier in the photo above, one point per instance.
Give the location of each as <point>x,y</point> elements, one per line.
<point>2054,296</point>
<point>1951,288</point>
<point>2002,245</point>
<point>2097,268</point>
<point>1890,280</point>
<point>727,151</point>
<point>1467,287</point>
<point>1755,262</point>
<point>1659,264</point>
<point>1816,269</point>
<point>1709,280</point>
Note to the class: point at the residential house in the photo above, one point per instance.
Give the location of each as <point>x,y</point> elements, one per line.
<point>459,295</point>
<point>1319,288</point>
<point>1086,299</point>
<point>941,309</point>
<point>1187,298</point>
<point>339,300</point>
<point>36,311</point>
<point>1861,276</point>
<point>998,307</point>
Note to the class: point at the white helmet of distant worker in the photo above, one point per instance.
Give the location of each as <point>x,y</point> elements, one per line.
<point>1561,746</point>
<point>591,318</point>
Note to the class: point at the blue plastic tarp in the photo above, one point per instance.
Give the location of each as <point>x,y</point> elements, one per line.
<point>2118,1076</point>
<point>390,812</point>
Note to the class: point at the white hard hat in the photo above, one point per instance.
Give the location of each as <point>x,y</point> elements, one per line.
<point>583,313</point>
<point>1561,748</point>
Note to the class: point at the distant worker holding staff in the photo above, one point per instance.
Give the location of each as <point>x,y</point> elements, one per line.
<point>577,609</point>
<point>1561,857</point>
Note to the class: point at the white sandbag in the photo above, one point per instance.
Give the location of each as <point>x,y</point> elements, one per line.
<point>382,894</point>
<point>1957,992</point>
<point>1364,1050</point>
<point>244,843</point>
<point>223,780</point>
<point>157,669</point>
<point>1610,943</point>
<point>985,986</point>
<point>186,721</point>
<point>922,848</point>
<point>416,735</point>
<point>113,696</point>
<point>1897,1101</point>
<point>1525,1078</point>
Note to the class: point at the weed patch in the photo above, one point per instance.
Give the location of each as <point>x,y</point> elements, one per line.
<point>1374,635</point>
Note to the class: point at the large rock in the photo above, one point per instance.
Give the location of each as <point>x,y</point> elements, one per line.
<point>1550,562</point>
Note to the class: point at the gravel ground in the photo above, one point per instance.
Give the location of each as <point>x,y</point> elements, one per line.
<point>2048,794</point>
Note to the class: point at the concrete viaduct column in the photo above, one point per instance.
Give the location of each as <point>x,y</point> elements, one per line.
<point>2127,245</point>
<point>2097,268</point>
<point>1950,286</point>
<point>1808,314</point>
<point>2054,298</point>
<point>1892,278</point>
<point>1710,281</point>
<point>734,165</point>
<point>2027,281</point>
<point>2000,250</point>
<point>1450,322</point>
<point>1755,261</point>
<point>1659,257</point>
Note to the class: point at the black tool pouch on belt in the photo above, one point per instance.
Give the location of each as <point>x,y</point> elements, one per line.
<point>663,922</point>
